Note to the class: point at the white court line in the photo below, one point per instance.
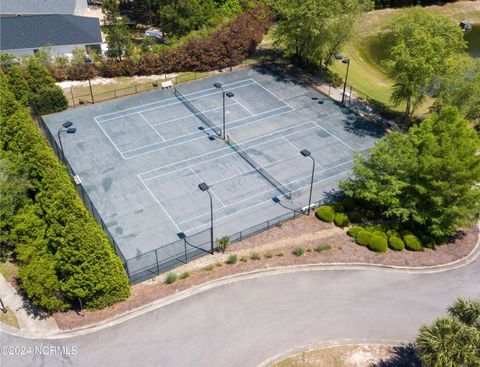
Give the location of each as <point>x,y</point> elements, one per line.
<point>227,149</point>
<point>245,108</point>
<point>265,201</point>
<point>165,105</point>
<point>203,137</point>
<point>149,124</point>
<point>267,191</point>
<point>190,114</point>
<point>340,140</point>
<point>161,206</point>
<point>175,98</point>
<point>274,95</point>
<point>109,138</point>
<point>201,180</point>
<point>293,145</point>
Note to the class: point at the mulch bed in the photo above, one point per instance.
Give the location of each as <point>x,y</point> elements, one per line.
<point>343,250</point>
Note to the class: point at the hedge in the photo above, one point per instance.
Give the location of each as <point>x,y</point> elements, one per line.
<point>412,242</point>
<point>355,217</point>
<point>363,238</point>
<point>337,207</point>
<point>396,243</point>
<point>378,244</point>
<point>381,234</point>
<point>349,204</point>
<point>353,231</point>
<point>341,220</point>
<point>325,213</point>
<point>61,252</point>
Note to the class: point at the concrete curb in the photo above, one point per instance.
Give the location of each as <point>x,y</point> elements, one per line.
<point>472,256</point>
<point>327,344</point>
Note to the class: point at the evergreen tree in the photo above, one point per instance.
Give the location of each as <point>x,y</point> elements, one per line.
<point>116,28</point>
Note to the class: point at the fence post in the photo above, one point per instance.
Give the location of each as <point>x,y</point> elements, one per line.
<point>185,244</point>
<point>156,258</point>
<point>73,98</point>
<point>115,94</point>
<point>136,91</point>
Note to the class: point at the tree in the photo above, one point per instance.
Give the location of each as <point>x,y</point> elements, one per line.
<point>417,45</point>
<point>116,29</point>
<point>315,30</point>
<point>460,87</point>
<point>467,311</point>
<point>428,179</point>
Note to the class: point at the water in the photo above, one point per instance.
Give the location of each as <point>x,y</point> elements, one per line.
<point>473,39</point>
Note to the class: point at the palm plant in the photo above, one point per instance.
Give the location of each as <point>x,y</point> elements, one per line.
<point>222,243</point>
<point>467,311</point>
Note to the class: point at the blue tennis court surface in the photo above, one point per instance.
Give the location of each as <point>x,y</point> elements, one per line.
<point>141,158</point>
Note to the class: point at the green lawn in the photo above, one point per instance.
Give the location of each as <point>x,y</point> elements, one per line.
<point>9,318</point>
<point>366,74</point>
<point>8,269</point>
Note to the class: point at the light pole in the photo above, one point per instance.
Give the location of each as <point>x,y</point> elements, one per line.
<point>88,60</point>
<point>204,187</point>
<point>345,60</point>
<point>66,127</point>
<point>234,31</point>
<point>306,153</point>
<point>229,95</point>
<point>165,44</point>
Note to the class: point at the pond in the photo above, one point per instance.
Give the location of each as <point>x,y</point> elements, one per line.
<point>473,39</point>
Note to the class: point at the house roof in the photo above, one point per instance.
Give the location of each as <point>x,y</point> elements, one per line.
<point>34,31</point>
<point>38,6</point>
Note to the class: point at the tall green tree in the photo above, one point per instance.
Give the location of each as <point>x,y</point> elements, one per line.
<point>460,86</point>
<point>418,44</point>
<point>315,30</point>
<point>428,178</point>
<point>116,29</point>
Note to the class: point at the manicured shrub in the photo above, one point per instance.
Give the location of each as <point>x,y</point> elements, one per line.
<point>396,243</point>
<point>378,244</point>
<point>323,247</point>
<point>341,220</point>
<point>428,242</point>
<point>405,232</point>
<point>412,242</point>
<point>255,256</point>
<point>370,214</point>
<point>363,238</point>
<point>171,278</point>
<point>50,99</point>
<point>298,251</point>
<point>393,233</point>
<point>355,217</point>
<point>232,259</point>
<point>353,231</point>
<point>337,206</point>
<point>381,234</point>
<point>382,227</point>
<point>184,275</point>
<point>368,229</point>
<point>325,213</point>
<point>348,204</point>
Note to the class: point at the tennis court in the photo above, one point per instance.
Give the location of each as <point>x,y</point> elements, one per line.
<point>142,158</point>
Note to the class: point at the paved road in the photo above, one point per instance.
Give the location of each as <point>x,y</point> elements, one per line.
<point>247,322</point>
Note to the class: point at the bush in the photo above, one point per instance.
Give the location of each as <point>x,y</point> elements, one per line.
<point>323,247</point>
<point>363,238</point>
<point>171,278</point>
<point>298,251</point>
<point>378,244</point>
<point>341,220</point>
<point>382,227</point>
<point>428,242</point>
<point>396,243</point>
<point>381,234</point>
<point>243,259</point>
<point>184,275</point>
<point>222,243</point>
<point>353,231</point>
<point>268,255</point>
<point>368,229</point>
<point>355,217</point>
<point>209,267</point>
<point>349,204</point>
<point>232,259</point>
<point>279,254</point>
<point>255,256</point>
<point>337,207</point>
<point>50,99</point>
<point>393,233</point>
<point>325,213</point>
<point>412,242</point>
<point>370,213</point>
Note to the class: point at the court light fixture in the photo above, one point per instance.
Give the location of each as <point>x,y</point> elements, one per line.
<point>230,94</point>
<point>307,154</point>
<point>204,187</point>
<point>65,128</point>
<point>345,60</point>
<point>67,124</point>
<point>276,200</point>
<point>217,85</point>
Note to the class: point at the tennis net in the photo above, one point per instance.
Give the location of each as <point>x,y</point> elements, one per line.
<point>198,113</point>
<point>267,176</point>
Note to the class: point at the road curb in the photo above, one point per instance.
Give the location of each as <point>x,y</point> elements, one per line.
<point>473,255</point>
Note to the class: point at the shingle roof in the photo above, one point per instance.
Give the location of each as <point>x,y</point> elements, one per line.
<point>37,6</point>
<point>33,31</point>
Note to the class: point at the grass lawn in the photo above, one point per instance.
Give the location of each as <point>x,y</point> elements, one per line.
<point>366,74</point>
<point>8,269</point>
<point>9,318</point>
